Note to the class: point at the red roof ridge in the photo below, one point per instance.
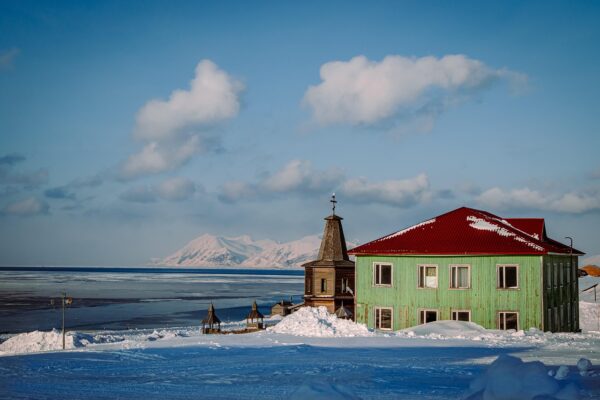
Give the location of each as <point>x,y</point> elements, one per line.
<point>466,231</point>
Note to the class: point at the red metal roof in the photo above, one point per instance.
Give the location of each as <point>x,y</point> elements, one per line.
<point>466,231</point>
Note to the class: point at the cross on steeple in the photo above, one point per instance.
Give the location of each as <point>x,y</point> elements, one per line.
<point>333,202</point>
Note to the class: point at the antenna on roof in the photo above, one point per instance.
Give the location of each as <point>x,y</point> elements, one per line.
<point>333,202</point>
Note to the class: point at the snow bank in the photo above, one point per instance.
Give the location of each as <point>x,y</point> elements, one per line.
<point>447,329</point>
<point>589,316</point>
<point>510,378</point>
<point>36,341</point>
<point>318,322</point>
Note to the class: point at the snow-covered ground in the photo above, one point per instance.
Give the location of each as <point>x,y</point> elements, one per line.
<point>307,355</point>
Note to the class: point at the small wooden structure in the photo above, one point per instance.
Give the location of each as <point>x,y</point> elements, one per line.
<point>211,323</point>
<point>282,308</point>
<point>255,320</point>
<point>343,312</point>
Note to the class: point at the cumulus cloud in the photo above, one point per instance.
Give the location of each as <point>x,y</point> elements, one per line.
<point>172,189</point>
<point>176,189</point>
<point>26,207</point>
<point>172,128</point>
<point>401,192</point>
<point>7,58</point>
<point>139,194</point>
<point>297,176</point>
<point>31,178</point>
<point>212,97</point>
<point>526,198</point>
<point>361,91</point>
<point>158,157</point>
<point>300,177</point>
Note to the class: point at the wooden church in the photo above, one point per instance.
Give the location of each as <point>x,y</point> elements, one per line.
<point>329,280</point>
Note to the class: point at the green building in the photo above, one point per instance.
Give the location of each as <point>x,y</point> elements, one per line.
<point>468,265</point>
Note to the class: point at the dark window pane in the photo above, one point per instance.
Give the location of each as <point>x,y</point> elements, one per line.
<point>501,277</point>
<point>430,316</point>
<point>511,321</point>
<point>386,319</point>
<point>511,277</point>
<point>386,274</point>
<point>461,316</point>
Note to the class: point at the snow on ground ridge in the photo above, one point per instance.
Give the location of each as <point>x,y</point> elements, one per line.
<point>318,322</point>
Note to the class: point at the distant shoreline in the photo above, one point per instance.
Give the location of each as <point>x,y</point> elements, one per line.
<point>161,270</point>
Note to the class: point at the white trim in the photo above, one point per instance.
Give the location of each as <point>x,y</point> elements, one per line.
<point>450,267</point>
<point>375,264</point>
<point>437,276</point>
<point>424,310</point>
<point>459,311</point>
<point>499,325</point>
<point>375,310</point>
<point>498,267</point>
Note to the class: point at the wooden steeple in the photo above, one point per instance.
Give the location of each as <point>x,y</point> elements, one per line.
<point>329,280</point>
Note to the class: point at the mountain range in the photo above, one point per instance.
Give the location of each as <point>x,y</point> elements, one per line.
<point>242,251</point>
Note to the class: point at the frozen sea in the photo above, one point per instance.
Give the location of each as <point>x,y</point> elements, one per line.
<point>129,298</point>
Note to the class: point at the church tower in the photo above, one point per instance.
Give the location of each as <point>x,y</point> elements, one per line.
<point>329,280</point>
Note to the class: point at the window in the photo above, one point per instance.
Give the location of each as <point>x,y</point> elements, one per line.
<point>460,277</point>
<point>427,316</point>
<point>461,315</point>
<point>428,276</point>
<point>508,320</point>
<point>383,318</point>
<point>382,274</point>
<point>308,285</point>
<point>323,285</point>
<point>346,286</point>
<point>508,276</point>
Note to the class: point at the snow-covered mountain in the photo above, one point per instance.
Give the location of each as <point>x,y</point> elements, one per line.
<point>243,251</point>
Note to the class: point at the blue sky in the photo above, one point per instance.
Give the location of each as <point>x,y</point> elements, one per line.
<point>128,128</point>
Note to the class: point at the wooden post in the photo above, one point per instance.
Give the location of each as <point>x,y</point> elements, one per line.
<point>64,296</point>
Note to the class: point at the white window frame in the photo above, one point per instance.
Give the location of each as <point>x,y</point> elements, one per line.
<point>451,268</point>
<point>379,264</point>
<point>499,317</point>
<point>459,311</point>
<point>422,312</point>
<point>424,267</point>
<point>378,310</point>
<point>503,268</point>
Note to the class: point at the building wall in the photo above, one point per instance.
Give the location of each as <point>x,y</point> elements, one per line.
<point>561,293</point>
<point>484,299</point>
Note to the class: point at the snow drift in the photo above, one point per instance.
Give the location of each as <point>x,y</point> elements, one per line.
<point>318,322</point>
<point>37,341</point>
<point>510,378</point>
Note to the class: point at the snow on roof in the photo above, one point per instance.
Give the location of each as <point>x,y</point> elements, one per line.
<point>479,223</point>
<point>467,231</point>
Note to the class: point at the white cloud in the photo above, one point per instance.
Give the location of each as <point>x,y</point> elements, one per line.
<point>7,58</point>
<point>176,189</point>
<point>26,207</point>
<point>172,189</point>
<point>525,198</point>
<point>156,157</point>
<point>300,177</point>
<point>401,192</point>
<point>236,190</point>
<point>361,91</point>
<point>212,97</point>
<point>171,129</point>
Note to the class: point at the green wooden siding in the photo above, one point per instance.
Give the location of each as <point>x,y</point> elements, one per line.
<point>561,293</point>
<point>483,299</point>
